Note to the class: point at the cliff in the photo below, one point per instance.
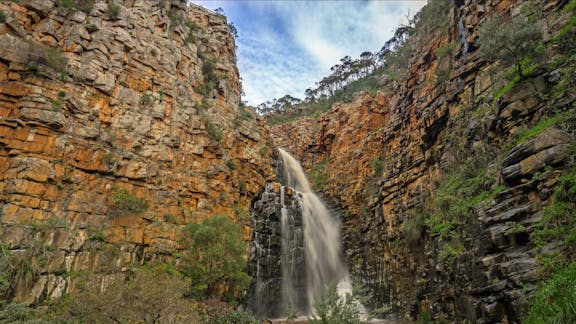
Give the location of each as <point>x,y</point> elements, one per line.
<point>119,124</point>
<point>444,180</point>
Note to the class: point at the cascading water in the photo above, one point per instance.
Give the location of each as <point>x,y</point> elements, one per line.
<point>296,249</point>
<point>322,250</point>
<point>321,234</point>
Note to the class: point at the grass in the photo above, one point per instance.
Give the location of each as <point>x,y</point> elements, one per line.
<point>318,176</point>
<point>542,125</point>
<point>555,300</point>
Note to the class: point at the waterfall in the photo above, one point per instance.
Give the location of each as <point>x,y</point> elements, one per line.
<point>322,250</point>
<point>322,244</point>
<point>296,248</point>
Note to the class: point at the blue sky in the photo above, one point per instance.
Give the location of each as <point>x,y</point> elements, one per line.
<point>284,47</point>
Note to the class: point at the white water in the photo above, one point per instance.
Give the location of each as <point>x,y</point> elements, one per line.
<point>324,265</point>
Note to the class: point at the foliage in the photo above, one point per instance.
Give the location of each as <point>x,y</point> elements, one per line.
<point>215,252</point>
<point>509,42</point>
<point>414,227</point>
<point>192,28</point>
<point>113,11</point>
<point>149,295</point>
<point>555,300</point>
<point>126,202</point>
<point>233,30</point>
<point>40,55</point>
<point>17,313</point>
<point>334,309</point>
<point>542,125</point>
<point>318,175</point>
<point>558,221</point>
<point>236,317</point>
<point>214,131</point>
<point>2,17</point>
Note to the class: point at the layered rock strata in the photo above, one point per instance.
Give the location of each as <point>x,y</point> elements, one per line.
<point>387,157</point>
<point>119,124</point>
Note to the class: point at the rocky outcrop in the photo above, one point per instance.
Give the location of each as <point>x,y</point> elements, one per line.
<point>439,193</point>
<point>119,124</point>
<point>267,295</point>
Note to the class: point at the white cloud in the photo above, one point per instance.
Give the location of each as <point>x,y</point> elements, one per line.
<point>286,46</point>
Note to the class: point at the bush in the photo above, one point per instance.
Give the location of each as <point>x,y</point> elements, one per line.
<point>113,11</point>
<point>126,202</point>
<point>555,300</point>
<point>509,42</point>
<point>334,309</point>
<point>214,131</point>
<point>215,256</point>
<point>150,294</point>
<point>2,17</point>
<point>82,5</point>
<point>236,317</point>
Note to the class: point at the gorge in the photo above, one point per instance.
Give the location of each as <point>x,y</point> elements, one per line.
<point>447,173</point>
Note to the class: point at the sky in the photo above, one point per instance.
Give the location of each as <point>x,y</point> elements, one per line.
<point>285,46</point>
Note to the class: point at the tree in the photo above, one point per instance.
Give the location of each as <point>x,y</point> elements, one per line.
<point>509,42</point>
<point>215,256</point>
<point>336,309</point>
<point>149,295</point>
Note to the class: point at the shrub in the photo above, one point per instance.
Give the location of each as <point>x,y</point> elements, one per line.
<point>215,258</point>
<point>509,42</point>
<point>126,202</point>
<point>82,5</point>
<point>555,300</point>
<point>40,55</point>
<point>2,17</point>
<point>113,11</point>
<point>214,131</point>
<point>335,309</point>
<point>150,294</point>
<point>236,317</point>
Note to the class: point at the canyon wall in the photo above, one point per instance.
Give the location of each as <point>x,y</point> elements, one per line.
<point>119,124</point>
<point>442,179</point>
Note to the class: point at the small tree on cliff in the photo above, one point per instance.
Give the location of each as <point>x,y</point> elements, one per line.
<point>510,42</point>
<point>216,258</point>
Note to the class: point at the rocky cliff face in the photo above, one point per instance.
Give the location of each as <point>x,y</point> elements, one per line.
<point>443,181</point>
<point>119,124</point>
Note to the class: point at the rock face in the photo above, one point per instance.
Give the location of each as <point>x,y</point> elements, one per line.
<point>267,295</point>
<point>118,126</point>
<point>391,163</point>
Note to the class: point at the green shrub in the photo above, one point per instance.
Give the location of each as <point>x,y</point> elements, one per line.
<point>558,221</point>
<point>335,309</point>
<point>236,317</point>
<point>215,258</point>
<point>126,202</point>
<point>214,131</point>
<point>555,300</point>
<point>509,42</point>
<point>2,17</point>
<point>113,11</point>
<point>318,175</point>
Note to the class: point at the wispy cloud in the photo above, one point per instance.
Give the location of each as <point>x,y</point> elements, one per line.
<point>286,46</point>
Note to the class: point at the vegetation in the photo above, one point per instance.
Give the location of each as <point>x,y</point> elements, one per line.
<point>214,131</point>
<point>215,256</point>
<point>555,301</point>
<point>40,55</point>
<point>334,309</point>
<point>150,294</point>
<point>2,17</point>
<point>124,201</point>
<point>509,42</point>
<point>318,175</point>
<point>113,11</point>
